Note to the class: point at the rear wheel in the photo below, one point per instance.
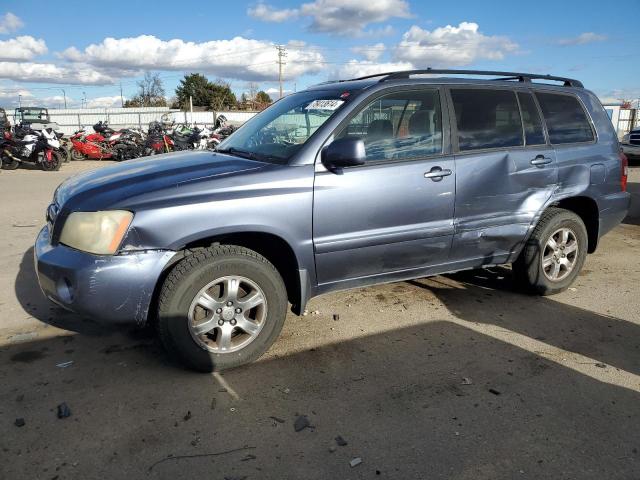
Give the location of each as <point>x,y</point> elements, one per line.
<point>221,307</point>
<point>555,253</point>
<point>9,163</point>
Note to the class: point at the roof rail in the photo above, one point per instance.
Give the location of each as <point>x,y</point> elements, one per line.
<point>521,77</point>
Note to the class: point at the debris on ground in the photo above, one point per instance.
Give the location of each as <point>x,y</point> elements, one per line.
<point>601,365</point>
<point>301,423</point>
<point>277,419</point>
<point>187,416</point>
<point>467,381</point>
<point>213,403</point>
<point>355,462</point>
<point>332,448</point>
<point>63,410</point>
<point>305,313</point>
<point>65,364</point>
<point>336,317</point>
<point>341,441</point>
<point>494,391</point>
<point>19,422</point>
<point>24,225</point>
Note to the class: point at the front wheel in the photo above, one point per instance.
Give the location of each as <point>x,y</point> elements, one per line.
<point>76,155</point>
<point>221,307</point>
<point>554,255</point>
<point>53,164</point>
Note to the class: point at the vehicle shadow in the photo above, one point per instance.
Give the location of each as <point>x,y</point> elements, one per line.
<point>489,296</point>
<point>633,217</point>
<point>433,400</point>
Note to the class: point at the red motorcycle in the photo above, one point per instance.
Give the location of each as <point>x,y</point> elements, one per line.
<point>97,145</point>
<point>157,140</point>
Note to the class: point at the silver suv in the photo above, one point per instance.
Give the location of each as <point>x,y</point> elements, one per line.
<point>345,184</point>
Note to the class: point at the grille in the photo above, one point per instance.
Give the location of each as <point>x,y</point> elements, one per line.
<point>634,139</point>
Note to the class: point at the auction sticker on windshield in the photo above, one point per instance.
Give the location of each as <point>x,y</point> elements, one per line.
<point>324,105</point>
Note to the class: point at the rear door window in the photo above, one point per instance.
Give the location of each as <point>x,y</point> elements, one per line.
<point>566,120</point>
<point>487,119</point>
<point>533,132</point>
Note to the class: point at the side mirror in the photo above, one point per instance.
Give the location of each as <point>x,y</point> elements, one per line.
<point>344,152</point>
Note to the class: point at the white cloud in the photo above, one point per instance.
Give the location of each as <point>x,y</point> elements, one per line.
<point>350,17</point>
<point>343,17</point>
<point>104,102</point>
<point>22,48</point>
<point>361,68</point>
<point>10,23</point>
<point>50,73</point>
<point>267,13</point>
<point>582,39</point>
<point>370,52</point>
<point>238,58</point>
<point>451,46</point>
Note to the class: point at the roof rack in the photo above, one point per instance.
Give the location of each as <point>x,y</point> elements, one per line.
<point>521,77</point>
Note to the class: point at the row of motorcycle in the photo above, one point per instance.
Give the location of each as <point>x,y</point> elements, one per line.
<point>161,137</point>
<point>48,149</point>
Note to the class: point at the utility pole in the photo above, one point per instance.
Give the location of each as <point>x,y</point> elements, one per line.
<point>282,53</point>
<point>64,94</point>
<point>121,97</point>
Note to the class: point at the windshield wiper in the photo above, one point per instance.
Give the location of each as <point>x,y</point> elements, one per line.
<point>239,153</point>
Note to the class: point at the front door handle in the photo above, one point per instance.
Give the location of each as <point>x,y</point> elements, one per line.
<point>540,160</point>
<point>436,173</point>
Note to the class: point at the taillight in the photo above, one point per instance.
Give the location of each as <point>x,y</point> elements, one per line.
<point>624,171</point>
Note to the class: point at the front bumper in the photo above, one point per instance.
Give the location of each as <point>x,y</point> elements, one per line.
<point>114,289</point>
<point>630,150</point>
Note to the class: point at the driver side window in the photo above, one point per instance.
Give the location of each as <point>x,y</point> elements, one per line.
<point>402,125</point>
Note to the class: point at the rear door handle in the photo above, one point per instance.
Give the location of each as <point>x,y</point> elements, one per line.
<point>541,160</point>
<point>436,173</point>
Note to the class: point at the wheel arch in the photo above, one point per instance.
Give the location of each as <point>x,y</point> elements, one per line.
<point>587,209</point>
<point>271,246</point>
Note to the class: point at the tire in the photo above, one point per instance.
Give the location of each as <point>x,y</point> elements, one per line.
<point>179,307</point>
<point>76,155</point>
<point>560,225</point>
<point>54,164</point>
<point>9,163</point>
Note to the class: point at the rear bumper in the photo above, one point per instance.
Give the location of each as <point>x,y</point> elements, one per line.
<point>615,209</point>
<point>110,289</point>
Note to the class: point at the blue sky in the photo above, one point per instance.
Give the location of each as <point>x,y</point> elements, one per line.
<point>89,51</point>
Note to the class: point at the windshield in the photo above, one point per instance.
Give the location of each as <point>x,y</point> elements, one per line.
<point>280,131</point>
<point>32,114</point>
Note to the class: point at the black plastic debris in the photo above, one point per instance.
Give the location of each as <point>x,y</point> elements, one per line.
<point>301,423</point>
<point>341,441</point>
<point>63,410</point>
<point>19,422</point>
<point>494,391</point>
<point>187,416</point>
<point>336,317</point>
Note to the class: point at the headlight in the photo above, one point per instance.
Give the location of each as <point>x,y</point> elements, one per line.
<point>96,232</point>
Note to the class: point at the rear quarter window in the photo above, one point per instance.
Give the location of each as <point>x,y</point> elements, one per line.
<point>566,119</point>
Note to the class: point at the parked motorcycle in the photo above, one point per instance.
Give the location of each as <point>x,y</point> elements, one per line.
<point>39,148</point>
<point>158,141</point>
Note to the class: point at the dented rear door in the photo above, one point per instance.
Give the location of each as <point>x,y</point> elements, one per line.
<point>500,189</point>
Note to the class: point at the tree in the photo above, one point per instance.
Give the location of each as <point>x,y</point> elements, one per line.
<point>217,95</point>
<point>150,92</point>
<point>263,97</point>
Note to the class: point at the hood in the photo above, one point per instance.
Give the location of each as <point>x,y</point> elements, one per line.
<point>107,187</point>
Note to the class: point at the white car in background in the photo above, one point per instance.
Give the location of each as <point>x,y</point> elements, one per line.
<point>630,143</point>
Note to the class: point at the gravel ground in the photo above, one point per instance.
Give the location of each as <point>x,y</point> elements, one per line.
<point>455,377</point>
